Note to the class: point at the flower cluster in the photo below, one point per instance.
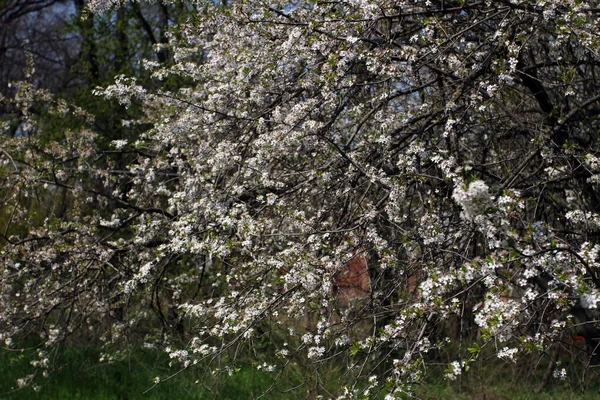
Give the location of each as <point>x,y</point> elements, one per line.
<point>474,199</point>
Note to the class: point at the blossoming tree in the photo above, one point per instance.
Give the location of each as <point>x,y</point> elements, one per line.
<point>451,143</point>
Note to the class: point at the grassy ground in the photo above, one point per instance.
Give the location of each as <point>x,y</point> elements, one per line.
<point>79,375</point>
<point>494,379</point>
<point>508,390</point>
<point>504,391</point>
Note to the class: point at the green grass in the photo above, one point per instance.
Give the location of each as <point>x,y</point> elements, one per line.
<point>509,390</point>
<point>78,375</point>
<point>495,379</point>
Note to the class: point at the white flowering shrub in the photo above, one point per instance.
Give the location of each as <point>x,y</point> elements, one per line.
<point>453,144</point>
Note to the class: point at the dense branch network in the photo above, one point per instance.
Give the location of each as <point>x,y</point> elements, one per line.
<point>452,144</point>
